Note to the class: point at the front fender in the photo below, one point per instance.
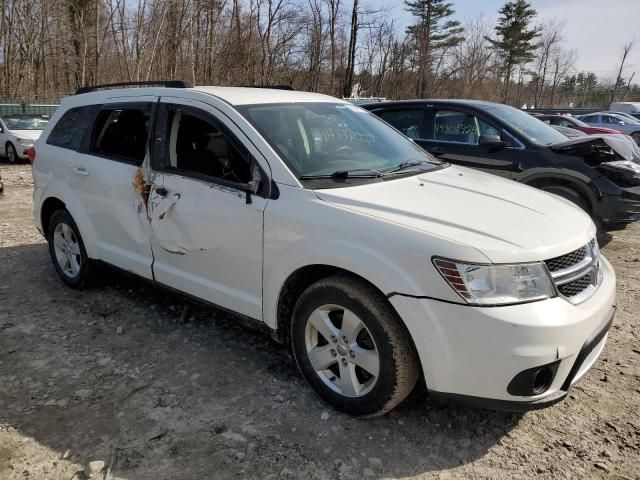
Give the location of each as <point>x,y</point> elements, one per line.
<point>358,259</point>
<point>582,182</point>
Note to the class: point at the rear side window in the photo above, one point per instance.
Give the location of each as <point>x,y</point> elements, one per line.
<point>122,133</point>
<point>408,121</point>
<point>71,128</point>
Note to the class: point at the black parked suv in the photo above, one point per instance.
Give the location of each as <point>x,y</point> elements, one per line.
<point>601,174</point>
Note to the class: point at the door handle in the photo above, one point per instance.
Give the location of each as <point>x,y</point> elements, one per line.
<point>81,171</point>
<point>436,150</point>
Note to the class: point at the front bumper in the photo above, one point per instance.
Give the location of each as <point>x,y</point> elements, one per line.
<point>471,354</point>
<point>617,211</point>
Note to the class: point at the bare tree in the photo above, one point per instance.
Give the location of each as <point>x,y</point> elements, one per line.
<point>626,50</point>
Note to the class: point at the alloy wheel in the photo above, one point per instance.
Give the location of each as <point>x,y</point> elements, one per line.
<point>342,351</point>
<point>67,250</point>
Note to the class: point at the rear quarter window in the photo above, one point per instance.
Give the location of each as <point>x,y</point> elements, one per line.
<point>71,128</point>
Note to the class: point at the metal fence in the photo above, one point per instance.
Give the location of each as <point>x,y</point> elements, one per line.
<point>13,106</point>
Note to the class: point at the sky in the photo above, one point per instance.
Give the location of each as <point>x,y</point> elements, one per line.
<point>596,29</point>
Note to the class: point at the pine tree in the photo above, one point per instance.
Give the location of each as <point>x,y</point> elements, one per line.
<point>431,32</point>
<point>516,37</point>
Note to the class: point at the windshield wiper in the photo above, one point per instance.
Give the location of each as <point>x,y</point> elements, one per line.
<point>347,174</point>
<point>404,165</point>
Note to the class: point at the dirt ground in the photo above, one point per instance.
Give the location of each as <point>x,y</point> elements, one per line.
<point>121,374</point>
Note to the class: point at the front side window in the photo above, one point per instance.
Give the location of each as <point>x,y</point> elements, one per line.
<point>590,119</point>
<point>122,133</point>
<point>198,145</point>
<point>526,125</point>
<point>71,128</point>
<point>409,121</point>
<point>329,138</point>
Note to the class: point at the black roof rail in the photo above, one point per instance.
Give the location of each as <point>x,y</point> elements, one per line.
<point>148,83</point>
<point>274,87</point>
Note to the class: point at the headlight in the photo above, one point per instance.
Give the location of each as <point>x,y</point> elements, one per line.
<point>481,284</point>
<point>25,142</point>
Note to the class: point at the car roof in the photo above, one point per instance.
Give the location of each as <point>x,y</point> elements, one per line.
<point>26,115</point>
<point>447,101</point>
<point>232,95</point>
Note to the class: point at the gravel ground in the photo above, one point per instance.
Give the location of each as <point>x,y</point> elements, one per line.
<point>122,374</point>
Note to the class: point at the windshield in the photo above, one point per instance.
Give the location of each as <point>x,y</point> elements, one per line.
<point>316,139</point>
<point>25,123</point>
<point>528,126</point>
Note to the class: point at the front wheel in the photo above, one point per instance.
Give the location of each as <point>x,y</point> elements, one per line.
<point>12,155</point>
<point>351,347</point>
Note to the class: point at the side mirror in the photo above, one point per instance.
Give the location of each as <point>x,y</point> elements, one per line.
<point>491,141</point>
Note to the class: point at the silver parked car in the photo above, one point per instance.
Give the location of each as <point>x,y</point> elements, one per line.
<point>614,120</point>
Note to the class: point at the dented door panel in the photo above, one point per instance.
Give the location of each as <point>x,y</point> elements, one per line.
<point>107,189</point>
<point>207,241</point>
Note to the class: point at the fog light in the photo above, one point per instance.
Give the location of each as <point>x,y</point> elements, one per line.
<point>533,381</point>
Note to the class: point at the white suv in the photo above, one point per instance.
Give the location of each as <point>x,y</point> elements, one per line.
<point>375,262</point>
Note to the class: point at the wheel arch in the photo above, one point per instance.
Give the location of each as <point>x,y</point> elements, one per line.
<point>585,191</point>
<point>296,283</point>
<point>60,197</point>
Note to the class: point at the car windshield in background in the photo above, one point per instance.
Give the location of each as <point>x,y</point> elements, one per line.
<point>25,123</point>
<point>325,139</point>
<point>529,126</point>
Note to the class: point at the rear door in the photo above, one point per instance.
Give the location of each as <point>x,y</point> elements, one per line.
<point>103,173</point>
<point>207,225</point>
<point>409,120</point>
<point>452,133</point>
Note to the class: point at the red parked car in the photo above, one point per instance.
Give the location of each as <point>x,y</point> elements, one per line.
<point>571,122</point>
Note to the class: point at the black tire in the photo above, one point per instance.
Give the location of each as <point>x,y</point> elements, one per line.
<point>398,361</point>
<point>574,197</point>
<point>570,194</point>
<point>81,279</point>
<point>12,154</point>
<point>636,137</point>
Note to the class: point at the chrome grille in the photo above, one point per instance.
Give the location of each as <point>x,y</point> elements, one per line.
<point>566,261</point>
<point>576,274</point>
<point>577,286</point>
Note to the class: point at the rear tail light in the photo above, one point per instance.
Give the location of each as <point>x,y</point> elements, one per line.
<point>31,154</point>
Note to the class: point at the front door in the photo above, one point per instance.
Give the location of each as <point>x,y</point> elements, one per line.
<point>452,135</point>
<point>206,226</point>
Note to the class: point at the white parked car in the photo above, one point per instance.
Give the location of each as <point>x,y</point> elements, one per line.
<point>631,108</point>
<point>373,261</point>
<point>18,134</point>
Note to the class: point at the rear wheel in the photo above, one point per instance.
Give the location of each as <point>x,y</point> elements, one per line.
<point>67,250</point>
<point>351,346</point>
<point>12,155</point>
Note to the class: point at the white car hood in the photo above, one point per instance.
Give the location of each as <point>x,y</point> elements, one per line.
<point>504,220</point>
<point>26,134</point>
